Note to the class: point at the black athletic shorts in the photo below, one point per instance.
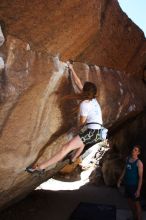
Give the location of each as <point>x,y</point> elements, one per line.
<point>130,191</point>
<point>89,136</point>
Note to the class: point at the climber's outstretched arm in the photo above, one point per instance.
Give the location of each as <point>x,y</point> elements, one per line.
<point>75,77</point>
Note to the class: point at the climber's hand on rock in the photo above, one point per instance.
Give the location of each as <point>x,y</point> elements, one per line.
<point>70,66</point>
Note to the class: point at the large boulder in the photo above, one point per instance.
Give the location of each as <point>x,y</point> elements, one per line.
<point>34,119</point>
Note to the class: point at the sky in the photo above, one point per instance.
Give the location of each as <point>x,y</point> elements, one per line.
<point>136,11</point>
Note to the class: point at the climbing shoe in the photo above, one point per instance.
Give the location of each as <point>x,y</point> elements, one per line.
<point>34,170</point>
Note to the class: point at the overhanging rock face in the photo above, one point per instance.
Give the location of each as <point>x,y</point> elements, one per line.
<point>33,119</point>
<point>95,31</point>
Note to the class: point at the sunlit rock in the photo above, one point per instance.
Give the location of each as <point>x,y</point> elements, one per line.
<point>2,39</point>
<point>1,63</point>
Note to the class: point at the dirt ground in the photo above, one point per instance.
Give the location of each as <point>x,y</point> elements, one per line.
<point>58,205</point>
<point>56,200</point>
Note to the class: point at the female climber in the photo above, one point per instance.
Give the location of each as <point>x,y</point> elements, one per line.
<point>89,113</point>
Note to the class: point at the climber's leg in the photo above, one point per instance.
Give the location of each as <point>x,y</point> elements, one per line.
<point>75,143</point>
